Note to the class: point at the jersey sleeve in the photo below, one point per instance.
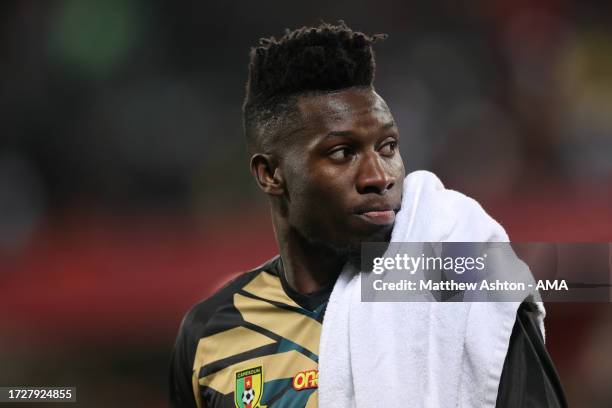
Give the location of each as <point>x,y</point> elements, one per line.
<point>181,391</point>
<point>183,387</point>
<point>529,378</point>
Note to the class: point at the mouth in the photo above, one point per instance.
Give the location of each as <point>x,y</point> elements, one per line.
<point>377,214</point>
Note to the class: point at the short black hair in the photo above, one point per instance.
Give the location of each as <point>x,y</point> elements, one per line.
<point>323,58</point>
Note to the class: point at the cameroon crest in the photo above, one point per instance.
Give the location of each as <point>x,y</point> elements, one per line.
<point>249,388</point>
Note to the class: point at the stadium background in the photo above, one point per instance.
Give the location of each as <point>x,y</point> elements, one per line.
<point>124,190</point>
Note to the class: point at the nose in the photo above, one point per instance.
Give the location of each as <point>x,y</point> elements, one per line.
<point>372,176</point>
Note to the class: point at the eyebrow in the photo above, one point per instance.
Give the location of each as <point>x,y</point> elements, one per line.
<point>339,133</point>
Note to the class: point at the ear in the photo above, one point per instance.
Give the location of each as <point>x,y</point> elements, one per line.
<point>267,174</point>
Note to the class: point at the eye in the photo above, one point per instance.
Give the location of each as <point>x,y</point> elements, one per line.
<point>388,149</point>
<point>341,153</point>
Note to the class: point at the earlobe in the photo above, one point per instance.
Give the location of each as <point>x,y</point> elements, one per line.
<point>268,175</point>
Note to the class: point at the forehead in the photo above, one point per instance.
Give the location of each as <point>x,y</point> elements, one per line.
<point>350,108</point>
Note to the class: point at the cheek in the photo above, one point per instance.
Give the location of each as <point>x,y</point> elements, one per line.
<point>333,185</point>
<point>401,169</point>
<point>316,183</point>
<point>316,200</point>
<point>395,168</point>
<point>328,186</point>
<point>324,195</point>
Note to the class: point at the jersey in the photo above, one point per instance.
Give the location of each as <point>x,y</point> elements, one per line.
<point>255,344</point>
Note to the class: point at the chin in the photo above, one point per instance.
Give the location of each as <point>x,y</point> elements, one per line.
<point>354,245</point>
<point>380,235</point>
<point>348,243</point>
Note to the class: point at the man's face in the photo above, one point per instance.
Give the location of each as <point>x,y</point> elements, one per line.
<point>343,170</point>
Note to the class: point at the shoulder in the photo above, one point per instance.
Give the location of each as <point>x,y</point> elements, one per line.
<point>200,314</point>
<point>529,375</point>
<point>196,324</point>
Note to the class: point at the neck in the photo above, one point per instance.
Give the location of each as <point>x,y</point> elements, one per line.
<point>308,266</point>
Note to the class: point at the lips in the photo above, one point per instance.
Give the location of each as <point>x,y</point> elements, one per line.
<point>379,217</point>
<point>377,214</point>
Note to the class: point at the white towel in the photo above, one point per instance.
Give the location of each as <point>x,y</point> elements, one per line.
<point>418,354</point>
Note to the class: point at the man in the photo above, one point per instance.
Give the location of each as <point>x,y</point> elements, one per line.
<point>324,148</point>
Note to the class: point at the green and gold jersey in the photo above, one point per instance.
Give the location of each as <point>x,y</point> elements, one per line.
<point>255,343</point>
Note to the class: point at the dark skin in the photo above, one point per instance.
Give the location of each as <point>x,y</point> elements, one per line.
<point>337,183</point>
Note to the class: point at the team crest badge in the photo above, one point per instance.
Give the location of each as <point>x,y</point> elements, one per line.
<point>249,388</point>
